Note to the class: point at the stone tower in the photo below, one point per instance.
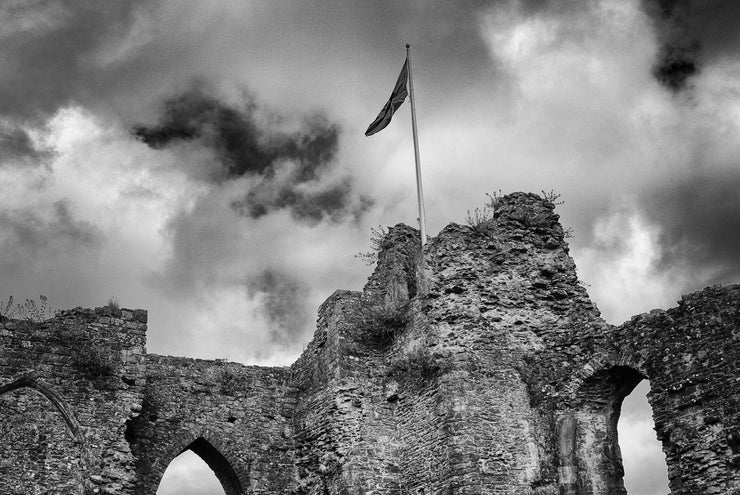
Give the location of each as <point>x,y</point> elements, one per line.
<point>483,369</point>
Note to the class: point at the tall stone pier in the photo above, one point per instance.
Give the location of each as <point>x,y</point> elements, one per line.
<point>481,367</point>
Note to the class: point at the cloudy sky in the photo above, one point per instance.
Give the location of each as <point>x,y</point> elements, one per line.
<point>207,160</point>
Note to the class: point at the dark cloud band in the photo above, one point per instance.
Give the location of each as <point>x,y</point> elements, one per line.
<point>288,170</point>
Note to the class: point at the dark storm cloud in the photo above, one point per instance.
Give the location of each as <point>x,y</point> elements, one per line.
<point>692,33</point>
<point>287,169</point>
<point>230,132</point>
<point>285,304</point>
<point>233,134</point>
<point>700,222</point>
<point>28,233</point>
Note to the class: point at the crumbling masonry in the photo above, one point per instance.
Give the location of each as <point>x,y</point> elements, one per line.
<point>484,370</point>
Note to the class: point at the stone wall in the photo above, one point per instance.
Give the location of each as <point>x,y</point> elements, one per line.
<point>691,356</point>
<point>237,418</point>
<point>69,386</point>
<point>481,368</point>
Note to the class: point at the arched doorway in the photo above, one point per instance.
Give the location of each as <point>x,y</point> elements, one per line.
<point>200,469</point>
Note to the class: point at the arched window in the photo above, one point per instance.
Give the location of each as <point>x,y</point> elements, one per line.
<point>200,469</point>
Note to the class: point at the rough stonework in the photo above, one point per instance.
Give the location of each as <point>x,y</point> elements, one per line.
<point>484,369</point>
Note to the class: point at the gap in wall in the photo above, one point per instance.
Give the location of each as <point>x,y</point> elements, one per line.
<point>645,471</point>
<point>188,474</point>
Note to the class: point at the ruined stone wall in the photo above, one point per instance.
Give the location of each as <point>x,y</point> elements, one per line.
<point>353,423</point>
<point>691,355</point>
<point>344,437</point>
<point>497,294</point>
<point>444,393</point>
<point>237,418</point>
<point>481,368</point>
<point>68,388</point>
<point>504,378</point>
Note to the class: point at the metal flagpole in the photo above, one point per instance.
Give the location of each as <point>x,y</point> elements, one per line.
<point>420,193</point>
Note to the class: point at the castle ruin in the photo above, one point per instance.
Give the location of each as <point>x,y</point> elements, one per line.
<point>484,369</point>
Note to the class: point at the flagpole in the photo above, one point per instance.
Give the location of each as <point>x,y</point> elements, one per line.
<point>419,190</point>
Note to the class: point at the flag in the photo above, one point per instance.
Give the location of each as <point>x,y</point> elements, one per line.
<point>397,97</point>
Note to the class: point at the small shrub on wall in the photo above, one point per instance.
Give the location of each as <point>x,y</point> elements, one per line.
<point>29,311</point>
<point>227,382</point>
<point>483,219</point>
<point>94,363</point>
<point>380,324</point>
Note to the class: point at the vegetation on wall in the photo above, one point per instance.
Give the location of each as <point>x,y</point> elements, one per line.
<point>379,324</point>
<point>227,382</point>
<point>29,311</point>
<point>112,304</point>
<point>93,362</point>
<point>482,219</point>
<point>377,237</point>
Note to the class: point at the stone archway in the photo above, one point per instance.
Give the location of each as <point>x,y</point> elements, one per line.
<point>216,457</point>
<point>219,465</point>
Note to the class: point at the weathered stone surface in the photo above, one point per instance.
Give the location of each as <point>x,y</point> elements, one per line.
<point>237,418</point>
<point>68,388</point>
<point>484,369</point>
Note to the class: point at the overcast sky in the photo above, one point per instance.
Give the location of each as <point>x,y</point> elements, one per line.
<point>207,160</point>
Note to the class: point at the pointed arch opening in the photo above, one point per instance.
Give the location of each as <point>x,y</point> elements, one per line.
<point>188,463</point>
<point>188,474</point>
